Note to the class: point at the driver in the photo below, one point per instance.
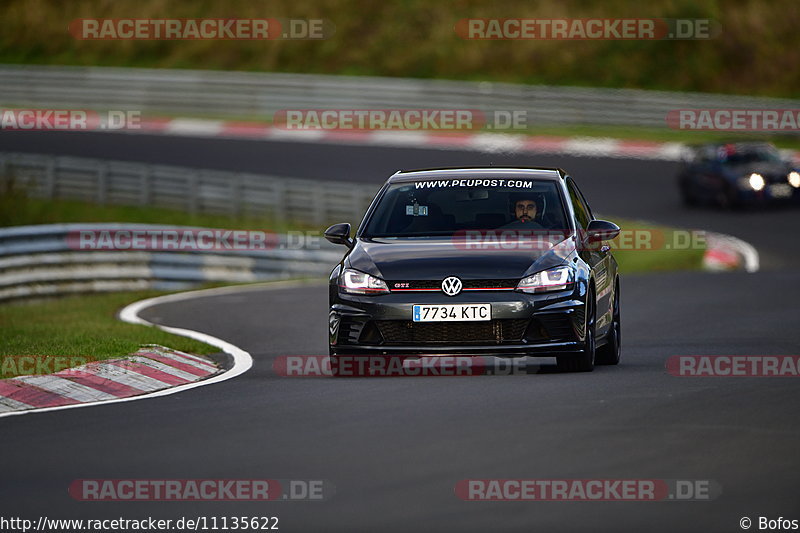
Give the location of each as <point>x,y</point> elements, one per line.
<point>525,209</point>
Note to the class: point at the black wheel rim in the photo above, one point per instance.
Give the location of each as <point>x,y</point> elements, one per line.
<point>590,345</point>
<point>617,327</point>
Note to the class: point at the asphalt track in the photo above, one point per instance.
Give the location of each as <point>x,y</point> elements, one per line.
<point>394,448</point>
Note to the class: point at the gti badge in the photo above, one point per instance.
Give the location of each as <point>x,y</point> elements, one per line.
<point>451,286</point>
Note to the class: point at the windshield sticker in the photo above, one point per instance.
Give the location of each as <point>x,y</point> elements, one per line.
<point>417,210</point>
<point>523,184</point>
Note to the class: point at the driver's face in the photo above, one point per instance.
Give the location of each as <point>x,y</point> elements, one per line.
<point>525,210</point>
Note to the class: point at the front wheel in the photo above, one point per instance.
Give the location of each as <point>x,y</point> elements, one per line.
<point>582,361</point>
<point>610,352</point>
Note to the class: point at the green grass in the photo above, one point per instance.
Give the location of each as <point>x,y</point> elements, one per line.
<point>18,209</point>
<point>82,326</point>
<point>755,53</point>
<point>665,249</point>
<point>631,262</point>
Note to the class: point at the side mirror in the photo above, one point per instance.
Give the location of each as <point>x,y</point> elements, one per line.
<point>601,230</point>
<point>339,234</point>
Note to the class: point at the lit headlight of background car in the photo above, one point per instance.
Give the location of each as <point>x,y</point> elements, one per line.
<point>754,181</point>
<point>794,179</point>
<point>355,282</point>
<point>554,279</point>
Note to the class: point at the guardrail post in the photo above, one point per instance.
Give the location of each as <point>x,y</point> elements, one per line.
<point>4,178</point>
<point>236,195</point>
<point>356,201</point>
<point>144,185</point>
<point>319,216</point>
<point>50,178</point>
<point>366,199</point>
<point>192,187</point>
<point>279,207</point>
<point>102,184</point>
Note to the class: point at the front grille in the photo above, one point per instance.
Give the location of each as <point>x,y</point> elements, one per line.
<point>467,284</point>
<point>490,283</point>
<point>488,332</point>
<point>775,178</point>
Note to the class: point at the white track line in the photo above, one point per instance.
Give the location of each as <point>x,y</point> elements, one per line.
<point>242,361</point>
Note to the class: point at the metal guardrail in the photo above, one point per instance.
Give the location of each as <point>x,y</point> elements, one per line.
<point>260,95</point>
<point>40,261</point>
<point>193,190</point>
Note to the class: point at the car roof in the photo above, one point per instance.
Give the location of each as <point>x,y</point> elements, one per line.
<point>477,172</point>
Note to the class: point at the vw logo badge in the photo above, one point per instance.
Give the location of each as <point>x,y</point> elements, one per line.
<point>451,286</point>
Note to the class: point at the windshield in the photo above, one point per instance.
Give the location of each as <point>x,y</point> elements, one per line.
<point>447,207</point>
<point>749,154</point>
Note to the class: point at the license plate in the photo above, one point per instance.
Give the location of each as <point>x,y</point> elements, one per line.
<point>452,313</point>
<point>780,190</point>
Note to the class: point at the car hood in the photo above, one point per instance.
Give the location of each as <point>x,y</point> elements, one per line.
<point>434,259</point>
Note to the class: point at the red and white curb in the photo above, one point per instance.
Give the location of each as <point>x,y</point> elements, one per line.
<point>473,141</point>
<point>724,252</point>
<point>150,369</point>
<point>146,374</point>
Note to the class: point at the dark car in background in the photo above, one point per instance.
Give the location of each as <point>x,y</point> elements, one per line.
<point>504,262</point>
<point>737,175</point>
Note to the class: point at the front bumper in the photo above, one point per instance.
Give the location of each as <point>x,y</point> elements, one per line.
<point>773,193</point>
<point>522,324</point>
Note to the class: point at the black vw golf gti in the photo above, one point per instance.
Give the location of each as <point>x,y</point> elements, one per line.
<point>504,262</point>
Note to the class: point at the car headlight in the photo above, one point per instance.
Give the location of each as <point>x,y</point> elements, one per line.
<point>794,179</point>
<point>756,181</point>
<point>555,279</point>
<point>355,282</point>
